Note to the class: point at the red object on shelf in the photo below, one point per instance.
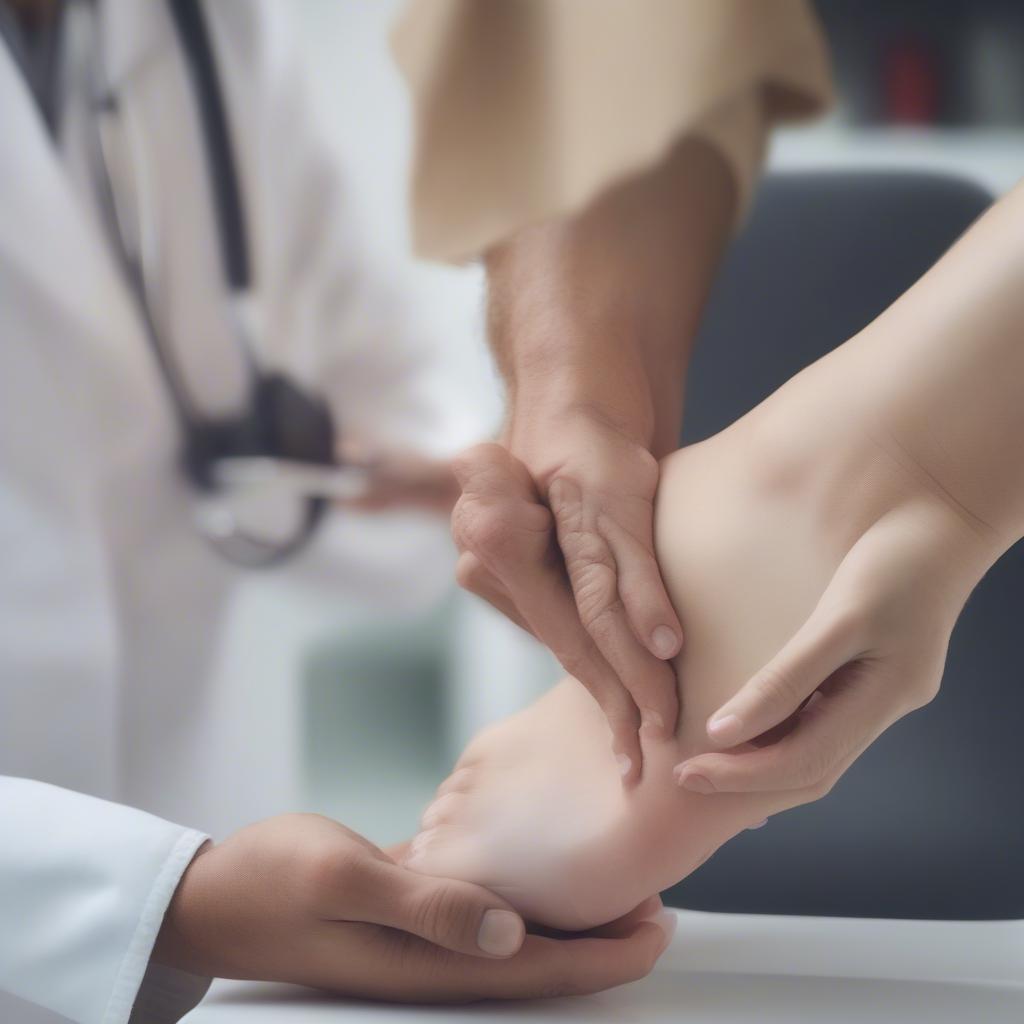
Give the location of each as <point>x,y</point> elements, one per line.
<point>910,83</point>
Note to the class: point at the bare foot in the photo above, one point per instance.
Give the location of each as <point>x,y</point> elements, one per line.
<point>747,539</point>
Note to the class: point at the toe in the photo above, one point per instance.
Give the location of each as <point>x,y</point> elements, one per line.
<point>445,851</point>
<point>443,810</point>
<point>460,781</point>
<point>430,851</point>
<point>422,843</point>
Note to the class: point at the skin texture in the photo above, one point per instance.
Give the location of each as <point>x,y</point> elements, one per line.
<point>807,510</point>
<point>939,380</point>
<point>302,899</point>
<point>591,320</point>
<point>843,523</point>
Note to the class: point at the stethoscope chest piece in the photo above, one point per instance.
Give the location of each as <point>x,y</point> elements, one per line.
<point>257,519</point>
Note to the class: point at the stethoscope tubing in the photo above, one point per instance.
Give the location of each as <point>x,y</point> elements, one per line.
<point>309,478</point>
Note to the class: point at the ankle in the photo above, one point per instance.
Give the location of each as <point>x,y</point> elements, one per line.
<point>829,449</point>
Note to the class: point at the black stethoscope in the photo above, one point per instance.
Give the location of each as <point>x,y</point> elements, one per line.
<point>264,477</point>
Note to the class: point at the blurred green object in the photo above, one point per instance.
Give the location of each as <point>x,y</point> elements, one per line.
<point>374,721</point>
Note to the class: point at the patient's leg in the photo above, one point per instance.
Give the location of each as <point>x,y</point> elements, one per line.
<point>751,525</point>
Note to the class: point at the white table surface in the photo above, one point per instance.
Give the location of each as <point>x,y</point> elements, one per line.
<point>735,969</point>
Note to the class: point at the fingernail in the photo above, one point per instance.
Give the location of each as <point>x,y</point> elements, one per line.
<point>667,921</point>
<point>501,933</point>
<point>694,781</point>
<point>625,764</point>
<point>652,722</point>
<point>725,728</point>
<point>758,824</point>
<point>664,642</point>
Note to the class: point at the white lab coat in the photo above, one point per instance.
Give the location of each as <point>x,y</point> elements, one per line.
<point>110,602</point>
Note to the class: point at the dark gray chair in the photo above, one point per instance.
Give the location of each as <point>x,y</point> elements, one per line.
<point>929,823</point>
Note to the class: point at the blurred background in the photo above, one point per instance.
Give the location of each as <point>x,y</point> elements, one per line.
<point>389,697</point>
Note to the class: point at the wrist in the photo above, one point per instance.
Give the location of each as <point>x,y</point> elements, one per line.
<point>945,366</point>
<point>567,401</point>
<point>175,945</point>
<point>576,442</point>
<point>824,440</point>
<point>574,332</point>
<point>944,430</point>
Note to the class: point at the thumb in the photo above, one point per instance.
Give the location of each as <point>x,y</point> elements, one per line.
<point>459,916</point>
<point>825,642</point>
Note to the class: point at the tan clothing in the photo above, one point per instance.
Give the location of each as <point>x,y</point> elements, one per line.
<point>528,109</point>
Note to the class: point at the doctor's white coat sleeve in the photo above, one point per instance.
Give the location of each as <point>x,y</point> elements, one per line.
<point>84,885</point>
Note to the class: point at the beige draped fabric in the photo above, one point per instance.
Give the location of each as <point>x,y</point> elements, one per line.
<point>528,109</point>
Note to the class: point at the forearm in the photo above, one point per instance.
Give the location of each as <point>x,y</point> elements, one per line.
<point>598,312</point>
<point>944,369</point>
<point>65,943</point>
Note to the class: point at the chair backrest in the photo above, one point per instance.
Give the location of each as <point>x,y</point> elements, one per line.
<point>929,823</point>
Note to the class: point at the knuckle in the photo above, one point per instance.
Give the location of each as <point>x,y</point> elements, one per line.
<point>441,912</point>
<point>327,867</point>
<point>486,531</point>
<point>846,623</point>
<point>774,687</point>
<point>583,547</point>
<point>465,463</point>
<point>599,616</point>
<point>595,589</point>
<point>469,465</point>
<point>470,572</point>
<point>565,499</point>
<point>813,770</point>
<point>647,465</point>
<point>461,514</point>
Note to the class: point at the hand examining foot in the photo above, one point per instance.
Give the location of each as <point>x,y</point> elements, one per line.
<point>755,525</point>
<point>871,651</point>
<point>302,899</point>
<point>821,547</point>
<point>567,553</point>
<point>591,319</point>
<point>535,807</point>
